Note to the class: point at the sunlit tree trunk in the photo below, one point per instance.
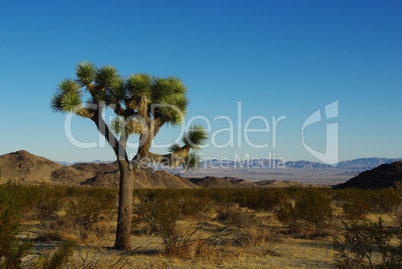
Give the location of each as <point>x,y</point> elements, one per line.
<point>124,211</point>
<point>123,232</point>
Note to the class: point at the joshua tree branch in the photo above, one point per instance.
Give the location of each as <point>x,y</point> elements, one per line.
<point>85,113</point>
<point>118,148</point>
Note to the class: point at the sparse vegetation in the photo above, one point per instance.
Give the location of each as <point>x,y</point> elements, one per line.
<point>366,242</point>
<point>311,208</point>
<point>205,225</point>
<point>11,249</point>
<point>59,257</point>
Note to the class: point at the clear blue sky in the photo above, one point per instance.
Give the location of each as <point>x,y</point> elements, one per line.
<point>278,58</point>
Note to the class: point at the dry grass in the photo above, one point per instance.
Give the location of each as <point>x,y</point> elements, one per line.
<point>226,236</point>
<point>215,245</point>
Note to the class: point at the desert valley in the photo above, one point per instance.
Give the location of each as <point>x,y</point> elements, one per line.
<point>67,214</point>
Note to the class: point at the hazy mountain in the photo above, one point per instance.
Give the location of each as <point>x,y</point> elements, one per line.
<point>73,163</point>
<point>360,164</point>
<point>307,164</point>
<point>363,164</point>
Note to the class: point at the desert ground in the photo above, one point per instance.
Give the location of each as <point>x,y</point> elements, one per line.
<point>202,228</point>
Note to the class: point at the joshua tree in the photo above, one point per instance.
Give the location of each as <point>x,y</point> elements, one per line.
<point>142,104</point>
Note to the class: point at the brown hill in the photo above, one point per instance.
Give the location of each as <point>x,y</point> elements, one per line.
<point>277,184</point>
<point>145,178</point>
<point>230,182</point>
<point>24,167</point>
<point>220,183</point>
<point>96,167</point>
<point>383,176</point>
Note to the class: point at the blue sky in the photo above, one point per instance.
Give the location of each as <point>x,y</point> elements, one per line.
<point>277,58</point>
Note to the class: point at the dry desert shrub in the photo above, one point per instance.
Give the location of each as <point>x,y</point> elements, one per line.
<point>81,218</point>
<point>385,200</point>
<point>367,244</point>
<point>98,258</point>
<point>371,201</point>
<point>12,250</point>
<point>309,215</point>
<point>191,206</point>
<point>160,214</point>
<point>89,214</point>
<point>356,208</point>
<point>188,248</point>
<point>60,257</point>
<point>234,216</point>
<point>260,199</point>
<point>243,237</point>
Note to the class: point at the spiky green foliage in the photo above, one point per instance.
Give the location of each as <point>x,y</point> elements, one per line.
<point>160,89</point>
<point>192,161</point>
<point>115,94</point>
<point>141,102</point>
<point>55,102</point>
<point>168,113</point>
<point>68,86</point>
<point>175,148</point>
<point>166,87</point>
<point>71,102</point>
<point>176,84</point>
<point>192,140</point>
<point>118,126</point>
<point>68,97</point>
<point>86,73</point>
<point>195,137</point>
<point>105,76</point>
<point>139,85</point>
<point>169,100</point>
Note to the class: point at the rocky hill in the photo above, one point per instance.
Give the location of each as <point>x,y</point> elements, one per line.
<point>22,166</point>
<point>279,184</point>
<point>383,176</point>
<point>26,168</point>
<point>218,183</point>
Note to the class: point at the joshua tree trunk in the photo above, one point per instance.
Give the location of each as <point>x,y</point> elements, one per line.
<point>123,232</point>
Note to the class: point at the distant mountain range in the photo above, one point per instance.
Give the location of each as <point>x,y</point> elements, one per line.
<point>70,164</point>
<point>26,168</point>
<point>363,164</point>
<point>360,164</point>
<point>357,165</point>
